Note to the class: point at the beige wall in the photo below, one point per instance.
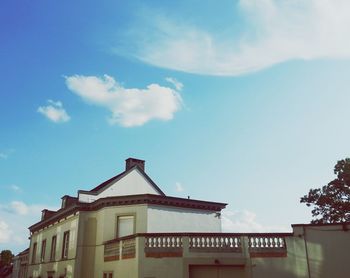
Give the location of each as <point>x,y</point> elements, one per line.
<point>312,251</point>
<point>98,227</point>
<point>163,219</point>
<point>58,266</point>
<point>328,250</point>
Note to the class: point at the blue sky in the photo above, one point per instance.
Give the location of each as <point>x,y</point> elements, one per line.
<point>244,102</point>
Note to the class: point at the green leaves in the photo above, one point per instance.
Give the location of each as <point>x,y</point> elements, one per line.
<point>331,203</point>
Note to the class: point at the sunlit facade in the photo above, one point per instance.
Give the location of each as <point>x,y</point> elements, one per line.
<point>127,227</point>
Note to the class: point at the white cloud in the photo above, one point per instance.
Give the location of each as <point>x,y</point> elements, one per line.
<point>273,31</point>
<point>15,218</point>
<point>177,84</point>
<point>54,112</point>
<point>5,232</point>
<point>179,187</point>
<point>19,208</point>
<point>129,107</point>
<point>245,222</point>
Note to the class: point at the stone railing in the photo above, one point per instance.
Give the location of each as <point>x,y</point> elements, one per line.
<point>267,245</point>
<point>215,243</point>
<point>163,245</point>
<point>160,245</point>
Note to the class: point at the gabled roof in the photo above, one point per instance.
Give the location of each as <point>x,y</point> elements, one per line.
<point>106,184</point>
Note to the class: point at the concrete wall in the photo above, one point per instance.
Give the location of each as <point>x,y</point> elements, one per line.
<point>59,266</point>
<point>327,248</point>
<point>98,227</point>
<point>172,220</point>
<point>133,183</point>
<point>312,251</point>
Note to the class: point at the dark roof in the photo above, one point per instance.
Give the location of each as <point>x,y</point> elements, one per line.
<point>105,183</point>
<point>321,224</point>
<point>149,199</point>
<point>23,252</point>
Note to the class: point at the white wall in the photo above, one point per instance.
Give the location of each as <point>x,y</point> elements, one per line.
<point>132,184</point>
<point>168,219</point>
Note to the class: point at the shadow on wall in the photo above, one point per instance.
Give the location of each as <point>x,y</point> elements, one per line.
<point>313,252</point>
<point>288,265</point>
<point>328,250</point>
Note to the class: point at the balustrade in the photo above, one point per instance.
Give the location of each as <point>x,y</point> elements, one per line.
<point>172,245</point>
<point>267,245</point>
<point>215,243</point>
<point>163,245</point>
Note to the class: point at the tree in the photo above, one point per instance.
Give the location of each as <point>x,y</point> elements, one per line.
<point>331,203</point>
<point>5,257</point>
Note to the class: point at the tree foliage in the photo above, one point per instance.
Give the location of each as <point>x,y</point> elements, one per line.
<point>5,257</point>
<point>331,203</point>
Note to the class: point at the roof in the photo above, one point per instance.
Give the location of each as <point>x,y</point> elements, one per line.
<point>320,224</point>
<point>104,185</point>
<point>150,199</point>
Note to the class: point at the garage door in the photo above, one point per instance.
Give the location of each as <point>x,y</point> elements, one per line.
<point>200,271</point>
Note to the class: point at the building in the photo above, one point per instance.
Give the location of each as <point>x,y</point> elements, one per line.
<point>20,264</point>
<point>127,227</point>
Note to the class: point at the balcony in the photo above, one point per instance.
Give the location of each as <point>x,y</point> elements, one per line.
<point>161,245</point>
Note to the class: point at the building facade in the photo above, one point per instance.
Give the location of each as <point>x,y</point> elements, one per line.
<point>127,227</point>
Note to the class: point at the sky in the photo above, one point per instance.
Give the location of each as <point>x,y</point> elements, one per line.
<point>243,102</point>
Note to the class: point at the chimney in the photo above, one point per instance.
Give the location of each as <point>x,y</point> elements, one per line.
<point>131,162</point>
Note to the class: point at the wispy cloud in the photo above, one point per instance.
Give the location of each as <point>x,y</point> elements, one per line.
<point>19,208</point>
<point>3,156</point>
<point>15,188</point>
<point>179,187</point>
<point>5,232</point>
<point>15,217</point>
<point>6,153</point>
<point>54,111</point>
<point>177,84</point>
<point>246,222</point>
<point>128,107</point>
<point>273,31</point>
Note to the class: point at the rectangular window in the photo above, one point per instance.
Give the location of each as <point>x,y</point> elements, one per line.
<point>53,248</point>
<point>125,225</point>
<point>43,249</point>
<point>108,274</point>
<point>65,246</point>
<point>34,253</point>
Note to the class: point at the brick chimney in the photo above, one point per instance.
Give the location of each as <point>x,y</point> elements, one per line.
<point>131,162</point>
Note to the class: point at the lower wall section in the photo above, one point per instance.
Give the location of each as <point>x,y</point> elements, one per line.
<point>216,271</point>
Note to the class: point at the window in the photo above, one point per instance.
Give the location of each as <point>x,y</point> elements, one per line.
<point>65,246</point>
<point>34,253</point>
<point>125,225</point>
<point>53,248</point>
<point>43,249</point>
<point>108,274</point>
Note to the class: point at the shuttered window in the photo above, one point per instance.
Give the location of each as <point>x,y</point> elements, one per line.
<point>125,225</point>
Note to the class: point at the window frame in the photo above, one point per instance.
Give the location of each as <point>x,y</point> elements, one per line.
<point>43,250</point>
<point>125,215</point>
<point>35,246</point>
<point>107,274</point>
<point>53,248</point>
<point>65,245</point>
